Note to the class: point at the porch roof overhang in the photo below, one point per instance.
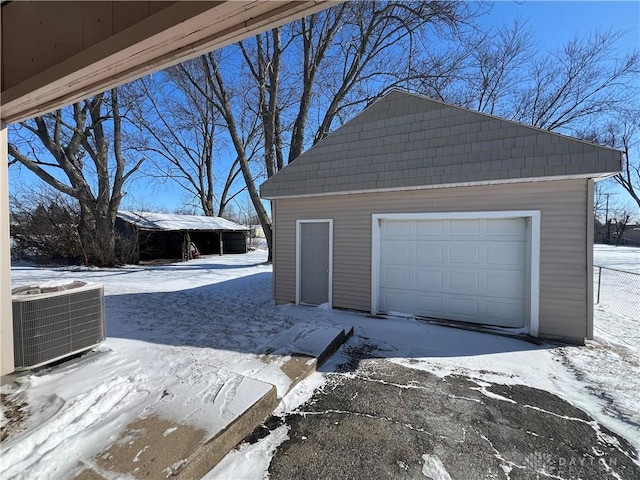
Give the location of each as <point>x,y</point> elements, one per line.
<point>56,53</point>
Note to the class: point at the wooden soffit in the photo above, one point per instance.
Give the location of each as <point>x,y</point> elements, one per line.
<point>55,53</point>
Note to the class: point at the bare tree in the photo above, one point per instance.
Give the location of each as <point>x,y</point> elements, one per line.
<point>222,99</point>
<point>587,77</point>
<point>628,139</point>
<point>586,88</point>
<point>599,200</point>
<point>622,132</point>
<point>310,76</point>
<point>372,47</point>
<point>489,69</point>
<point>179,128</point>
<point>502,73</point>
<point>82,156</point>
<point>620,222</point>
<point>264,66</point>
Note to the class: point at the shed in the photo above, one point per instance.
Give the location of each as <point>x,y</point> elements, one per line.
<point>160,235</point>
<point>421,207</point>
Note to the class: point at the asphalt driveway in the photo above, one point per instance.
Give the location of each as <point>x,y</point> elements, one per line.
<point>377,419</point>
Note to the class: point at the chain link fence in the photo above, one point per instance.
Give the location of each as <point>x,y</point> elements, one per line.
<point>617,291</point>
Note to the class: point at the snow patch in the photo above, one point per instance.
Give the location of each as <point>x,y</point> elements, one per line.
<point>175,468</point>
<point>304,338</point>
<point>248,461</point>
<point>433,468</point>
<point>301,394</point>
<point>621,258</point>
<point>399,315</point>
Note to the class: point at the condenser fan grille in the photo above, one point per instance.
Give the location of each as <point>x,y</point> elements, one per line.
<point>48,327</point>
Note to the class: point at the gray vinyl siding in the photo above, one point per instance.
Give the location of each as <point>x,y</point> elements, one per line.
<point>563,245</point>
<point>406,140</point>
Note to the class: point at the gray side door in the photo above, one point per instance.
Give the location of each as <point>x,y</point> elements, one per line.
<point>314,262</point>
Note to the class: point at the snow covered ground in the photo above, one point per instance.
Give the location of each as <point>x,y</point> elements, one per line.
<point>177,322</point>
<point>621,258</point>
<point>616,285</point>
<point>177,325</point>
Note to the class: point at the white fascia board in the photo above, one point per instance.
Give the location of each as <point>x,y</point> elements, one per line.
<point>592,176</point>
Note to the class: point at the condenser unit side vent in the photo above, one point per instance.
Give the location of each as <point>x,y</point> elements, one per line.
<point>51,326</point>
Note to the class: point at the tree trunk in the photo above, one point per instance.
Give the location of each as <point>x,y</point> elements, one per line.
<point>71,139</point>
<point>218,87</point>
<point>105,242</point>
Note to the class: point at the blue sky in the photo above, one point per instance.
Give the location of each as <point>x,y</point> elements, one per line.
<point>553,23</point>
<point>556,22</point>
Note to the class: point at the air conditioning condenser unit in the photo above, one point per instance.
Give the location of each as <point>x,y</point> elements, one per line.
<point>51,323</point>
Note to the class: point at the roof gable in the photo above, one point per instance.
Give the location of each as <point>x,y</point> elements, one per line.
<point>407,141</point>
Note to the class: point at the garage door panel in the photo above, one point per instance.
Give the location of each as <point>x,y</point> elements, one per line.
<point>429,228</point>
<point>506,254</point>
<point>397,277</point>
<point>464,308</point>
<point>397,253</point>
<point>429,281</point>
<point>397,228</point>
<point>396,300</point>
<point>514,228</point>
<point>464,227</point>
<point>509,284</point>
<point>470,270</point>
<point>502,313</point>
<point>464,283</point>
<point>428,305</point>
<point>460,252</point>
<point>429,252</point>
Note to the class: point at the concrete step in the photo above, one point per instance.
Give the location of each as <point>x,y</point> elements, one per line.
<point>308,347</point>
<point>183,432</point>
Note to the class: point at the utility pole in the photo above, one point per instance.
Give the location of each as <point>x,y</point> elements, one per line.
<point>606,218</point>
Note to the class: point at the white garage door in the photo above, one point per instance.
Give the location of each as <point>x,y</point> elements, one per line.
<point>472,270</point>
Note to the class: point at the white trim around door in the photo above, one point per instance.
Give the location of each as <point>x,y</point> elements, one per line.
<point>299,224</point>
<point>533,265</point>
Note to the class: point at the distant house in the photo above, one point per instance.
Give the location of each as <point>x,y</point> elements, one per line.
<point>604,233</point>
<point>421,207</point>
<point>630,236</point>
<point>167,236</point>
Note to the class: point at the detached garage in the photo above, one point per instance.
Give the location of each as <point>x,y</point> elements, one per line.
<point>420,207</point>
